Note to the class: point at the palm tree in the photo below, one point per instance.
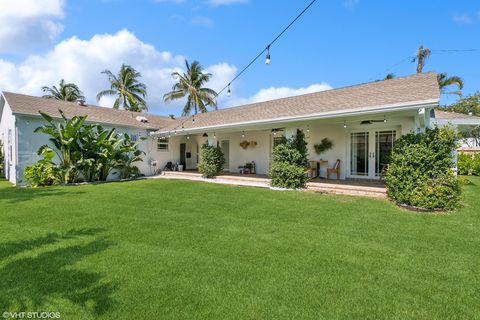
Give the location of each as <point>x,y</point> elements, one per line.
<point>422,55</point>
<point>130,92</point>
<point>191,85</point>
<point>389,76</point>
<point>445,81</point>
<point>65,92</point>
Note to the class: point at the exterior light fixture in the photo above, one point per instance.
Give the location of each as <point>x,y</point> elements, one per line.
<point>188,137</point>
<point>308,129</point>
<point>267,60</point>
<point>345,124</point>
<point>193,120</point>
<point>243,134</point>
<point>470,113</point>
<point>214,135</point>
<point>384,119</point>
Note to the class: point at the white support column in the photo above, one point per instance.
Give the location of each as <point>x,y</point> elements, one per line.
<point>211,140</point>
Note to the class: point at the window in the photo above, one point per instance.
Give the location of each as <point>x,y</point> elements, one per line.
<point>162,144</point>
<point>134,137</point>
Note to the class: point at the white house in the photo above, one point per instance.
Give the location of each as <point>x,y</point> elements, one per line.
<point>362,121</point>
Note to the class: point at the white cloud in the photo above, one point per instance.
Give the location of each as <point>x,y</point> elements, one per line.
<point>273,93</point>
<point>202,21</point>
<point>226,2</point>
<point>81,61</point>
<point>351,4</point>
<point>463,18</point>
<point>29,23</point>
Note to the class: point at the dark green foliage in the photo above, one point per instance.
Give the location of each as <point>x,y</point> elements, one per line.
<point>82,152</point>
<point>212,161</point>
<point>468,164</point>
<point>44,172</point>
<point>323,146</point>
<point>420,170</point>
<point>466,105</point>
<point>288,163</point>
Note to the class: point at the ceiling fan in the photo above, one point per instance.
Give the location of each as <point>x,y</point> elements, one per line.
<point>372,121</point>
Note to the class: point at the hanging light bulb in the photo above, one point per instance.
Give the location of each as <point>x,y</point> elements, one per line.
<point>188,137</point>
<point>243,134</point>
<point>214,135</point>
<point>193,120</point>
<point>175,132</point>
<point>345,124</point>
<point>308,129</point>
<point>229,91</point>
<point>470,113</point>
<point>267,60</point>
<point>384,119</point>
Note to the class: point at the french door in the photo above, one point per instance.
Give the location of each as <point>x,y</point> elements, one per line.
<point>225,147</point>
<point>369,152</point>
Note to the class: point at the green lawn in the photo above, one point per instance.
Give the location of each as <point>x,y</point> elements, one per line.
<point>158,249</point>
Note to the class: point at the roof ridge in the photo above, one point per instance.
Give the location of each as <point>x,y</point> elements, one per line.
<point>75,104</point>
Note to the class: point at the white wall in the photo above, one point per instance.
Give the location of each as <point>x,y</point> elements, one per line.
<point>29,143</point>
<point>7,122</point>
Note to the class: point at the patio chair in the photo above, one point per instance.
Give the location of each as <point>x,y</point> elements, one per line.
<point>311,170</point>
<point>335,169</point>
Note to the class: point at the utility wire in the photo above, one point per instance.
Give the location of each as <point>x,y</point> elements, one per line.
<point>267,48</point>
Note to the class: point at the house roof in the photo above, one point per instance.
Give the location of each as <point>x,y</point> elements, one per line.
<point>28,105</point>
<point>448,115</point>
<point>405,91</point>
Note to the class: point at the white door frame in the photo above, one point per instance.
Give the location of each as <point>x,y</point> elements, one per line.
<point>371,153</point>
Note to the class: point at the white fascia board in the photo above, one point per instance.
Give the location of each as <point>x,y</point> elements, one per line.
<point>317,116</point>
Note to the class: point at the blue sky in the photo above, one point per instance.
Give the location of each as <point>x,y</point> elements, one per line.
<point>337,43</point>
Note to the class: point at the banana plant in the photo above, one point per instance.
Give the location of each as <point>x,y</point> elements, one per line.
<point>64,135</point>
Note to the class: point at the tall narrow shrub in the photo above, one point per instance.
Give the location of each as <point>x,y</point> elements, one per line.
<point>212,161</point>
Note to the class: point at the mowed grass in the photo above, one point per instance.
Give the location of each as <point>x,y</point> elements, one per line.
<point>159,249</point>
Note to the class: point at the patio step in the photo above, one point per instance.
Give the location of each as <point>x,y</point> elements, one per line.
<point>347,189</point>
<point>344,188</point>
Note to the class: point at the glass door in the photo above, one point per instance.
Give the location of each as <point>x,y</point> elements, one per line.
<point>383,148</point>
<point>369,152</point>
<point>225,146</point>
<point>359,154</point>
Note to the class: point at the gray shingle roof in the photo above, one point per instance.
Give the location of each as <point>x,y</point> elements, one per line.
<point>399,91</point>
<point>28,105</point>
<point>448,115</point>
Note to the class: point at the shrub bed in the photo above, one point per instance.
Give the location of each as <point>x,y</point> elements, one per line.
<point>468,164</point>
<point>212,161</point>
<point>288,163</point>
<point>420,170</point>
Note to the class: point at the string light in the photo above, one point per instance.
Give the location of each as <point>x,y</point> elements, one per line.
<point>266,49</point>
<point>267,60</point>
<point>193,120</point>
<point>229,91</point>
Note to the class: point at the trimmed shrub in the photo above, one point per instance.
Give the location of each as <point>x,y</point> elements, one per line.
<point>468,164</point>
<point>43,173</point>
<point>288,163</point>
<point>420,170</point>
<point>212,161</point>
<point>465,164</point>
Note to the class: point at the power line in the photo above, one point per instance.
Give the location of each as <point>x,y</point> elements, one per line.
<point>266,49</point>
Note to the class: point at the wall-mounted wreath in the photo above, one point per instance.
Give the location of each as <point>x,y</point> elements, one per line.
<point>245,144</point>
<point>323,146</point>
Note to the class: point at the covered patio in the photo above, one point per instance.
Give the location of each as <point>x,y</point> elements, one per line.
<point>368,188</point>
